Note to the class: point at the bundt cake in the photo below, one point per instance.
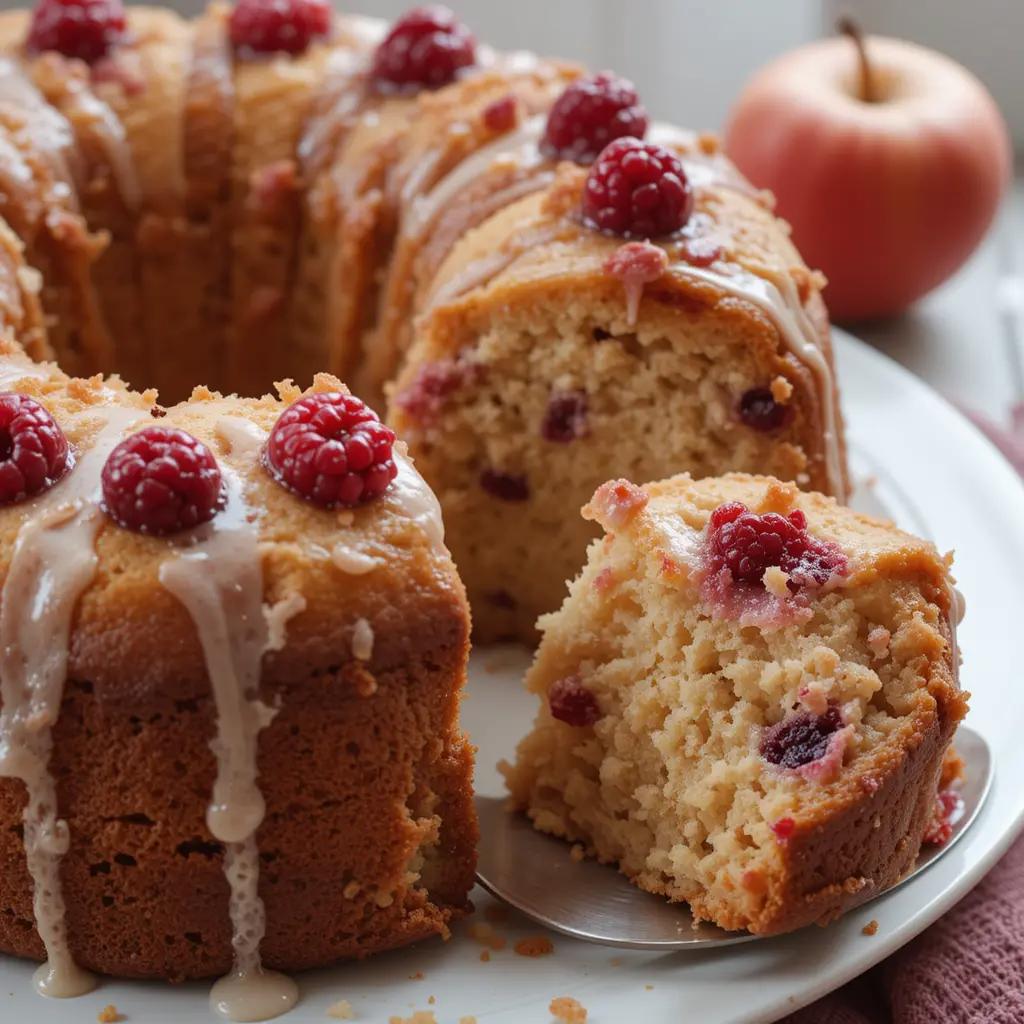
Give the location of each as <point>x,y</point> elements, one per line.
<point>745,699</point>
<point>231,665</point>
<point>551,289</point>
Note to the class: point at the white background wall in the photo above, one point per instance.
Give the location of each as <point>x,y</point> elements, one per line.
<point>691,57</point>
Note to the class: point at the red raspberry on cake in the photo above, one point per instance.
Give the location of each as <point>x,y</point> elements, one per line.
<point>330,448</point>
<point>278,26</point>
<point>748,544</point>
<point>82,29</point>
<point>591,113</point>
<point>34,452</point>
<point>637,190</point>
<point>425,49</point>
<point>160,481</point>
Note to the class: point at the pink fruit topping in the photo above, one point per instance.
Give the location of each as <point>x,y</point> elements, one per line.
<point>161,480</point>
<point>591,113</point>
<point>425,49</point>
<point>637,190</point>
<point>34,452</point>
<point>331,449</point>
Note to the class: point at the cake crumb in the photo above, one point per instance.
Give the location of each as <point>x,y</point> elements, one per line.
<point>781,390</point>
<point>485,956</point>
<point>431,1000</point>
<point>341,1010</point>
<point>776,581</point>
<point>483,933</point>
<point>878,640</point>
<point>109,1015</point>
<point>418,1017</point>
<point>467,1020</point>
<point>870,928</point>
<point>535,946</point>
<point>416,976</point>
<point>648,988</point>
<point>567,1009</point>
<point>576,852</point>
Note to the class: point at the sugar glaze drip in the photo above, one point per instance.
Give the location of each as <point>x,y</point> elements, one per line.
<point>48,128</point>
<point>776,295</point>
<point>217,575</point>
<point>53,562</point>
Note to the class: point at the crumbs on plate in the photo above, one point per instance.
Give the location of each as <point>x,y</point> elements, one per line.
<point>109,1015</point>
<point>535,945</point>
<point>341,1010</point>
<point>567,1009</point>
<point>418,1017</point>
<point>870,928</point>
<point>484,933</point>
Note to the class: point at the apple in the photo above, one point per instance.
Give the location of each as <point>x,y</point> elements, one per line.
<point>887,159</point>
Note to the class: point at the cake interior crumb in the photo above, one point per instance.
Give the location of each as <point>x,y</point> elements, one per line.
<point>870,928</point>
<point>567,1009</point>
<point>341,1010</point>
<point>109,1015</point>
<point>485,956</point>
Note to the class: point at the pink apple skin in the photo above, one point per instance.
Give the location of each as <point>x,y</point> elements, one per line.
<point>887,198</point>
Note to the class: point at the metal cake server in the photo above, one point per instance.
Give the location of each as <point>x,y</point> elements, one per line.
<point>534,873</point>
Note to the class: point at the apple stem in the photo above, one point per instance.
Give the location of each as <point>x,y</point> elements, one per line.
<point>849,28</point>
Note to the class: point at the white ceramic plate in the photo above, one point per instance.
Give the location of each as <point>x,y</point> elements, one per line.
<point>936,475</point>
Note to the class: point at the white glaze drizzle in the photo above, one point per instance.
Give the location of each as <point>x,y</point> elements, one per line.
<point>14,369</point>
<point>413,498</point>
<point>52,563</point>
<point>217,575</point>
<point>521,146</point>
<point>353,561</point>
<point>362,640</point>
<point>342,92</point>
<point>77,91</point>
<point>49,129</point>
<point>775,294</point>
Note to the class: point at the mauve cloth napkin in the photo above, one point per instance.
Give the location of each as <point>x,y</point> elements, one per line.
<point>968,968</point>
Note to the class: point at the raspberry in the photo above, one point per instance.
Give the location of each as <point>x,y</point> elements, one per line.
<point>571,702</point>
<point>33,449</point>
<point>501,115</point>
<point>161,480</point>
<point>637,190</point>
<point>331,449</point>
<point>758,409</point>
<point>591,113</point>
<point>424,49</point>
<point>801,739</point>
<point>85,29</point>
<point>948,809</point>
<point>565,418</point>
<point>747,544</point>
<point>783,829</point>
<point>505,486</point>
<point>271,26</point>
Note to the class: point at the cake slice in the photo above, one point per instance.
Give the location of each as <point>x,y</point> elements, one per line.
<point>745,699</point>
<point>549,357</point>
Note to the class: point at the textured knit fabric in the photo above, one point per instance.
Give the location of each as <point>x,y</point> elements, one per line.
<point>968,968</point>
